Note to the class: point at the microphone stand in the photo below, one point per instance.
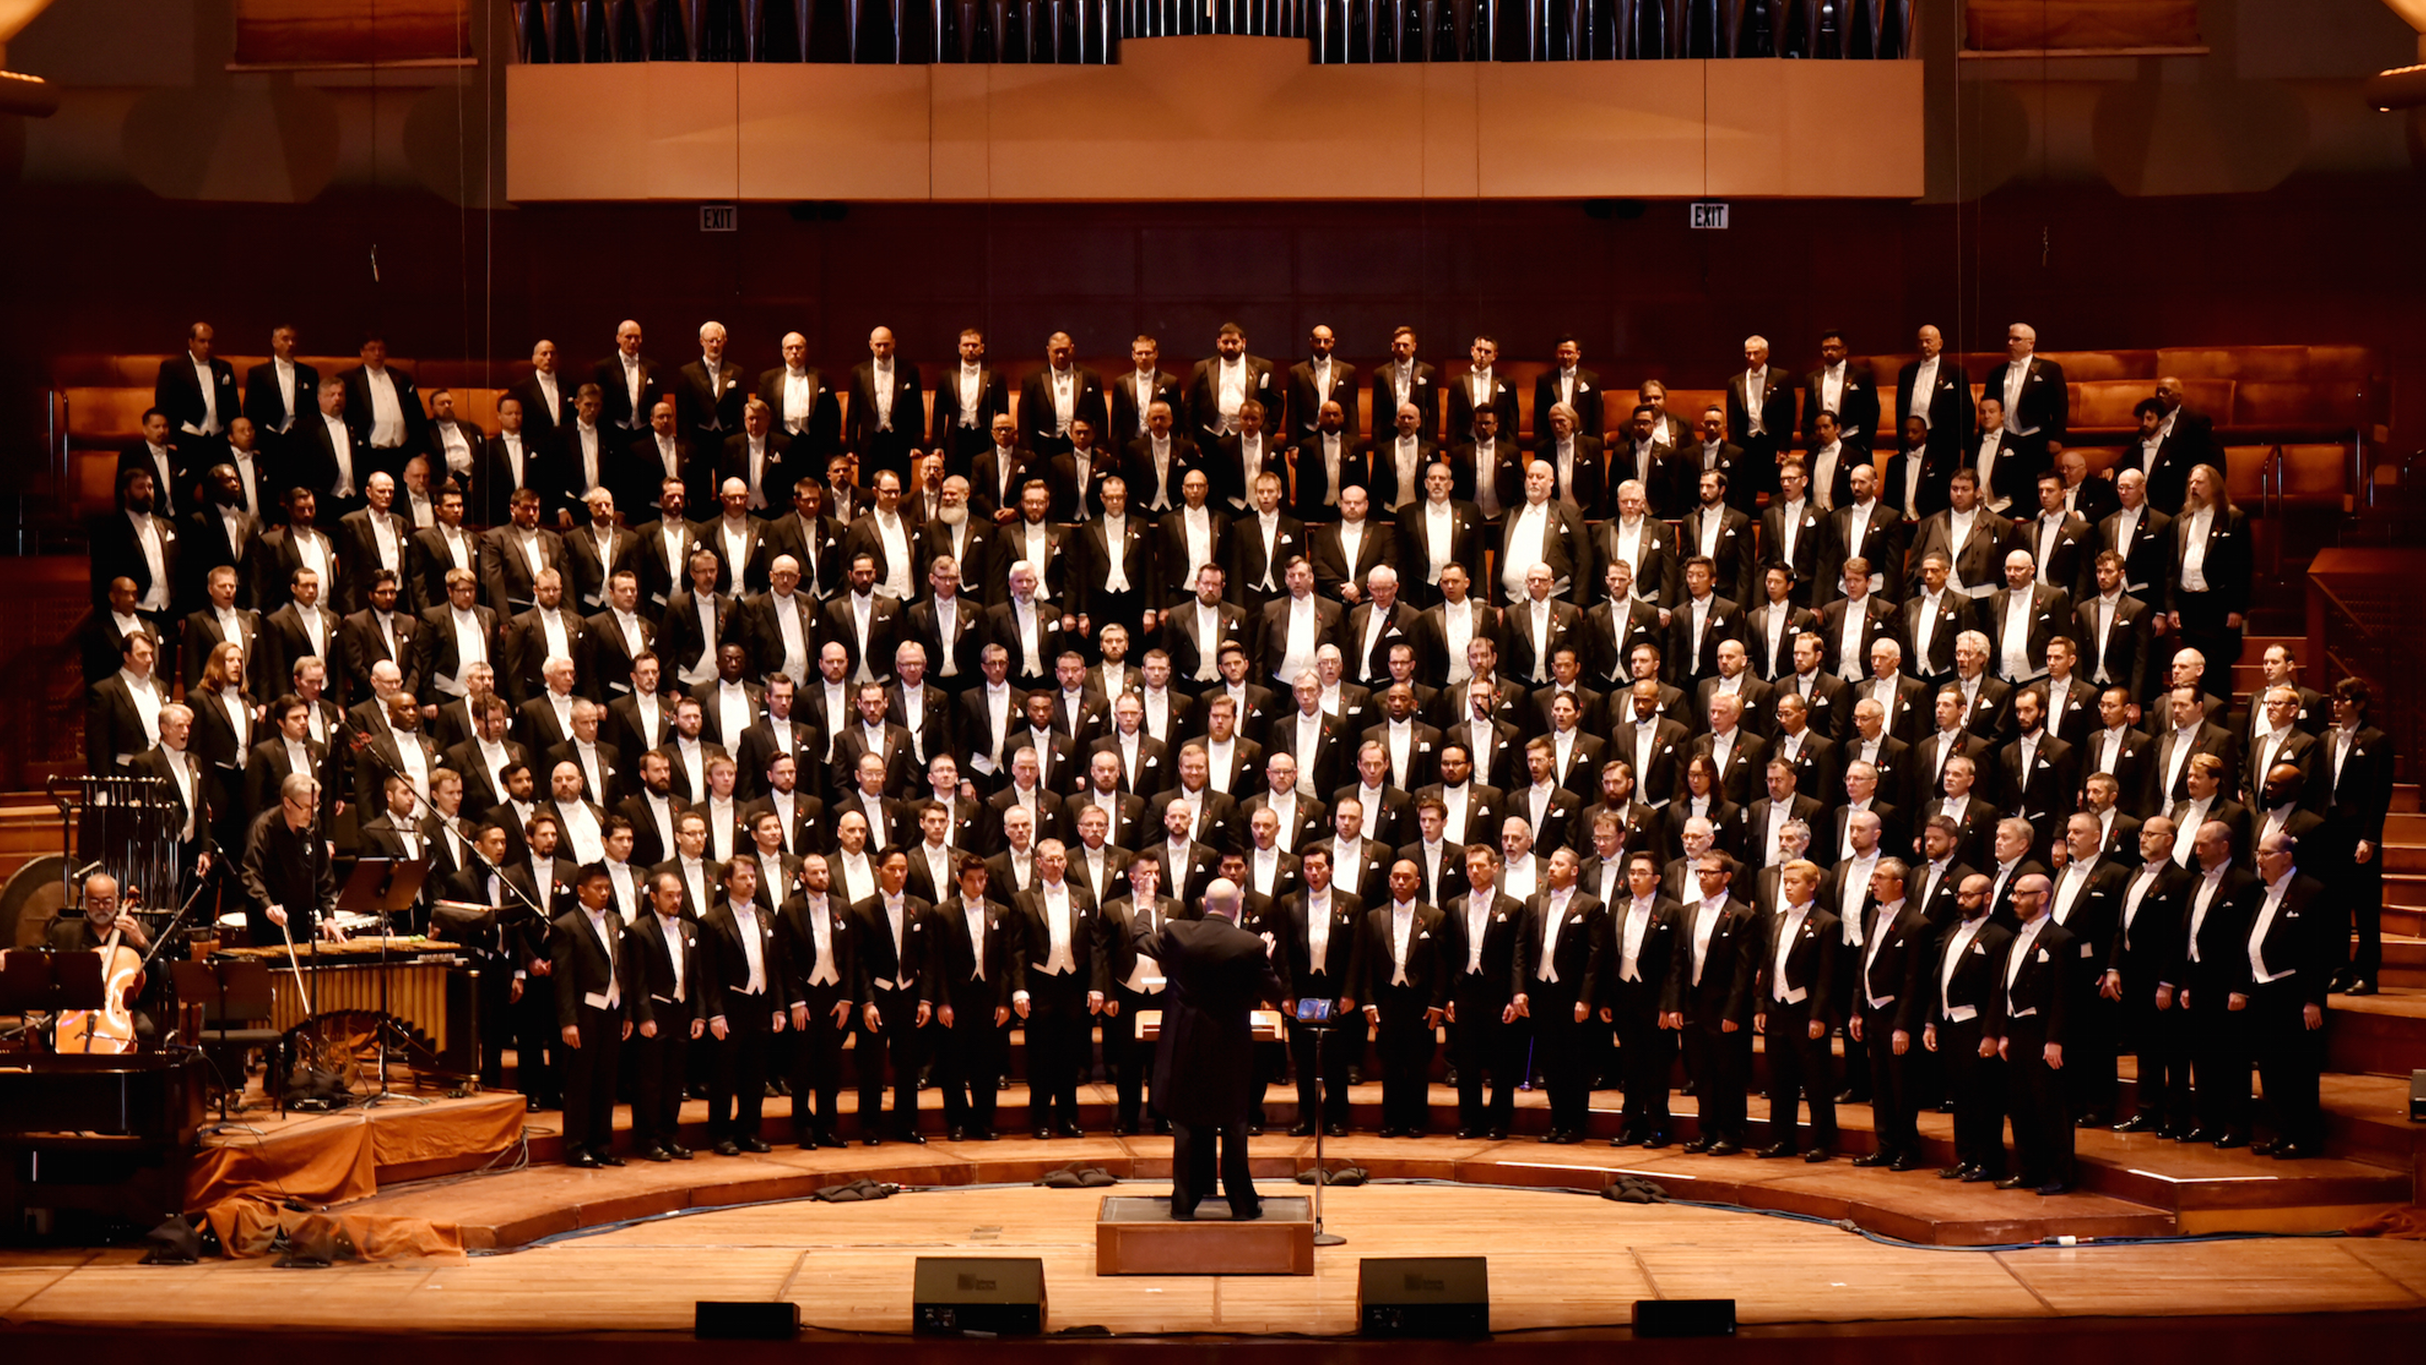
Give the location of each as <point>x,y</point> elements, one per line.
<point>1322,1030</point>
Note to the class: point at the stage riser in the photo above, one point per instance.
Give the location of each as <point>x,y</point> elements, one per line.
<point>713,1183</point>
<point>2366,1043</point>
<point>2393,1148</point>
<point>2234,1181</point>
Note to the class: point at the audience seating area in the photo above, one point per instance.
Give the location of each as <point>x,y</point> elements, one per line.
<point>2312,404</point>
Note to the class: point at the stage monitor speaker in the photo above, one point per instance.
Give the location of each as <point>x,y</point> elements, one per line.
<point>2417,1097</point>
<point>1423,1296</point>
<point>738,1321</point>
<point>999,1295</point>
<point>1684,1317</point>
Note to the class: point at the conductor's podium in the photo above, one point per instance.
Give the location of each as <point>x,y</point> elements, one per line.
<point>1135,1235</point>
<point>1265,1025</point>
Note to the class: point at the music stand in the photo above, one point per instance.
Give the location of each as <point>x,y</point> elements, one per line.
<point>381,887</point>
<point>1316,1017</point>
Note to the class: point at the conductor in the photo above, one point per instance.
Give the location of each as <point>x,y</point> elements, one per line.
<point>286,869</point>
<point>1204,1070</point>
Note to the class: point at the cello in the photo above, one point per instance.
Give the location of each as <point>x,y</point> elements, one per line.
<point>111,1028</point>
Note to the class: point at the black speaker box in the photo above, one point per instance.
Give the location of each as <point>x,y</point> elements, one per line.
<point>1000,1295</point>
<point>1684,1317</point>
<point>1423,1296</point>
<point>715,1321</point>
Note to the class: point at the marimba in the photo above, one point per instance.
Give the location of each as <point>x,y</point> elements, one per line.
<point>427,987</point>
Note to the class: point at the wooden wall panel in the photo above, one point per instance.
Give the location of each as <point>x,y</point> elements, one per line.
<point>1213,119</point>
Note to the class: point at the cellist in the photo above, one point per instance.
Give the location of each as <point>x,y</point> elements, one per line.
<point>92,932</point>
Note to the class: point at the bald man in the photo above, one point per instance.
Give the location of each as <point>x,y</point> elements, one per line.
<point>628,382</point>
<point>803,404</point>
<point>886,410</point>
<point>1204,1067</point>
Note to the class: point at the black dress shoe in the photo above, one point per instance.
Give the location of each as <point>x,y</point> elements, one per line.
<point>1697,1146</point>
<point>1255,1130</point>
<point>574,1156</point>
<point>2095,1118</point>
<point>1179,1215</point>
<point>1953,1172</point>
<point>983,1135</point>
<point>1818,1155</point>
<point>1044,1135</point>
<point>2292,1151</point>
<point>728,1147</point>
<point>1775,1150</point>
<point>2142,1122</point>
<point>1849,1096</point>
<point>2201,1135</point>
<point>2361,986</point>
<point>677,1151</point>
<point>1905,1161</point>
<point>654,1154</point>
<point>609,1159</point>
<point>1555,1135</point>
<point>1469,1134</point>
<point>1123,1130</point>
<point>912,1137</point>
<point>1623,1140</point>
<point>1725,1149</point>
<point>872,1139</point>
<point>2053,1188</point>
<point>956,1133</point>
<point>751,1144</point>
<point>1301,1130</point>
<point>2017,1182</point>
<point>1329,1129</point>
<point>1497,1134</point>
<point>2230,1139</point>
<point>1162,1128</point>
<point>1070,1130</point>
<point>2174,1132</point>
<point>1869,1160</point>
<point>1248,1215</point>
<point>1654,1142</point>
<point>1979,1175</point>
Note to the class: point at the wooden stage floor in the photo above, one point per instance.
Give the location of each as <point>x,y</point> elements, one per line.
<point>1558,1260</point>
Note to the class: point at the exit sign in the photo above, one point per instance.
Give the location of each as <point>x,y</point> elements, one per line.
<point>1708,213</point>
<point>720,217</point>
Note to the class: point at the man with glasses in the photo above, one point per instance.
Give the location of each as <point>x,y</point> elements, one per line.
<point>287,877</point>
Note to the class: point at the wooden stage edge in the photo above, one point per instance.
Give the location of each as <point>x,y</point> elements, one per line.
<point>1565,1268</point>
